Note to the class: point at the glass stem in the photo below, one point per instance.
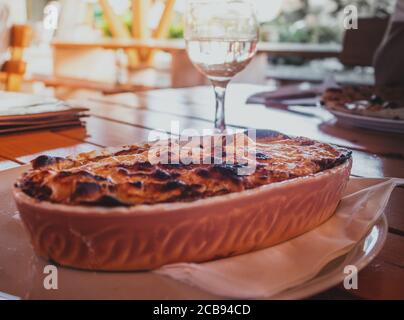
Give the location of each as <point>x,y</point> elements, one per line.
<point>220,94</point>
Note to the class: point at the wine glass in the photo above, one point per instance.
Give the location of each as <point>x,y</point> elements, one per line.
<point>221,39</point>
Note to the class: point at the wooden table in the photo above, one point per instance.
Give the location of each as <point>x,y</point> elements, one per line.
<point>129,118</point>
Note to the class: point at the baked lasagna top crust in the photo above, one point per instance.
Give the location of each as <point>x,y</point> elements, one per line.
<point>128,177</point>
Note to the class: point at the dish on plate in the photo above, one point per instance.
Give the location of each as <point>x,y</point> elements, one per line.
<point>369,101</point>
<point>371,123</point>
<point>122,210</point>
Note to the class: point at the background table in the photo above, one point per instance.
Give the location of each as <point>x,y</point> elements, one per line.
<point>305,50</point>
<point>129,118</point>
<point>72,57</point>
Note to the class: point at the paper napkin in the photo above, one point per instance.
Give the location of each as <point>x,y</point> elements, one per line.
<point>270,271</point>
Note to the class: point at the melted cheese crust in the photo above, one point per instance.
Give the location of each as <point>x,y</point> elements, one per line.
<point>129,177</point>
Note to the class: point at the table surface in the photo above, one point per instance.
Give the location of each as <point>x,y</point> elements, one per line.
<point>308,50</point>
<point>130,118</point>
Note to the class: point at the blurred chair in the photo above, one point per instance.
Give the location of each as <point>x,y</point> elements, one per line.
<point>359,45</point>
<point>4,36</point>
<point>74,63</point>
<point>4,15</point>
<point>13,70</point>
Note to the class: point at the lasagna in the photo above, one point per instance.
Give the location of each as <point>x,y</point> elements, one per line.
<point>129,177</point>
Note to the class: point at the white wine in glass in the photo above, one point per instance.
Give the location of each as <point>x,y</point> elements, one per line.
<point>221,38</point>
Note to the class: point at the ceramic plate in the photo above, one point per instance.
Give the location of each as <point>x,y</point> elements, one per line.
<point>373,123</point>
<point>333,274</point>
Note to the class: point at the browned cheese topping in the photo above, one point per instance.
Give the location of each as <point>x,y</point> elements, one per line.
<point>127,177</point>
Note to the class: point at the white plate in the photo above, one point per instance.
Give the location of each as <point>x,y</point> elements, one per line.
<point>333,274</point>
<point>373,123</point>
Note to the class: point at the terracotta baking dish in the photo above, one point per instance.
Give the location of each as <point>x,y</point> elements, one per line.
<point>149,236</point>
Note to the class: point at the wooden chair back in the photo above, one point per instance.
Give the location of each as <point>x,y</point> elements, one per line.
<point>14,68</point>
<point>140,29</point>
